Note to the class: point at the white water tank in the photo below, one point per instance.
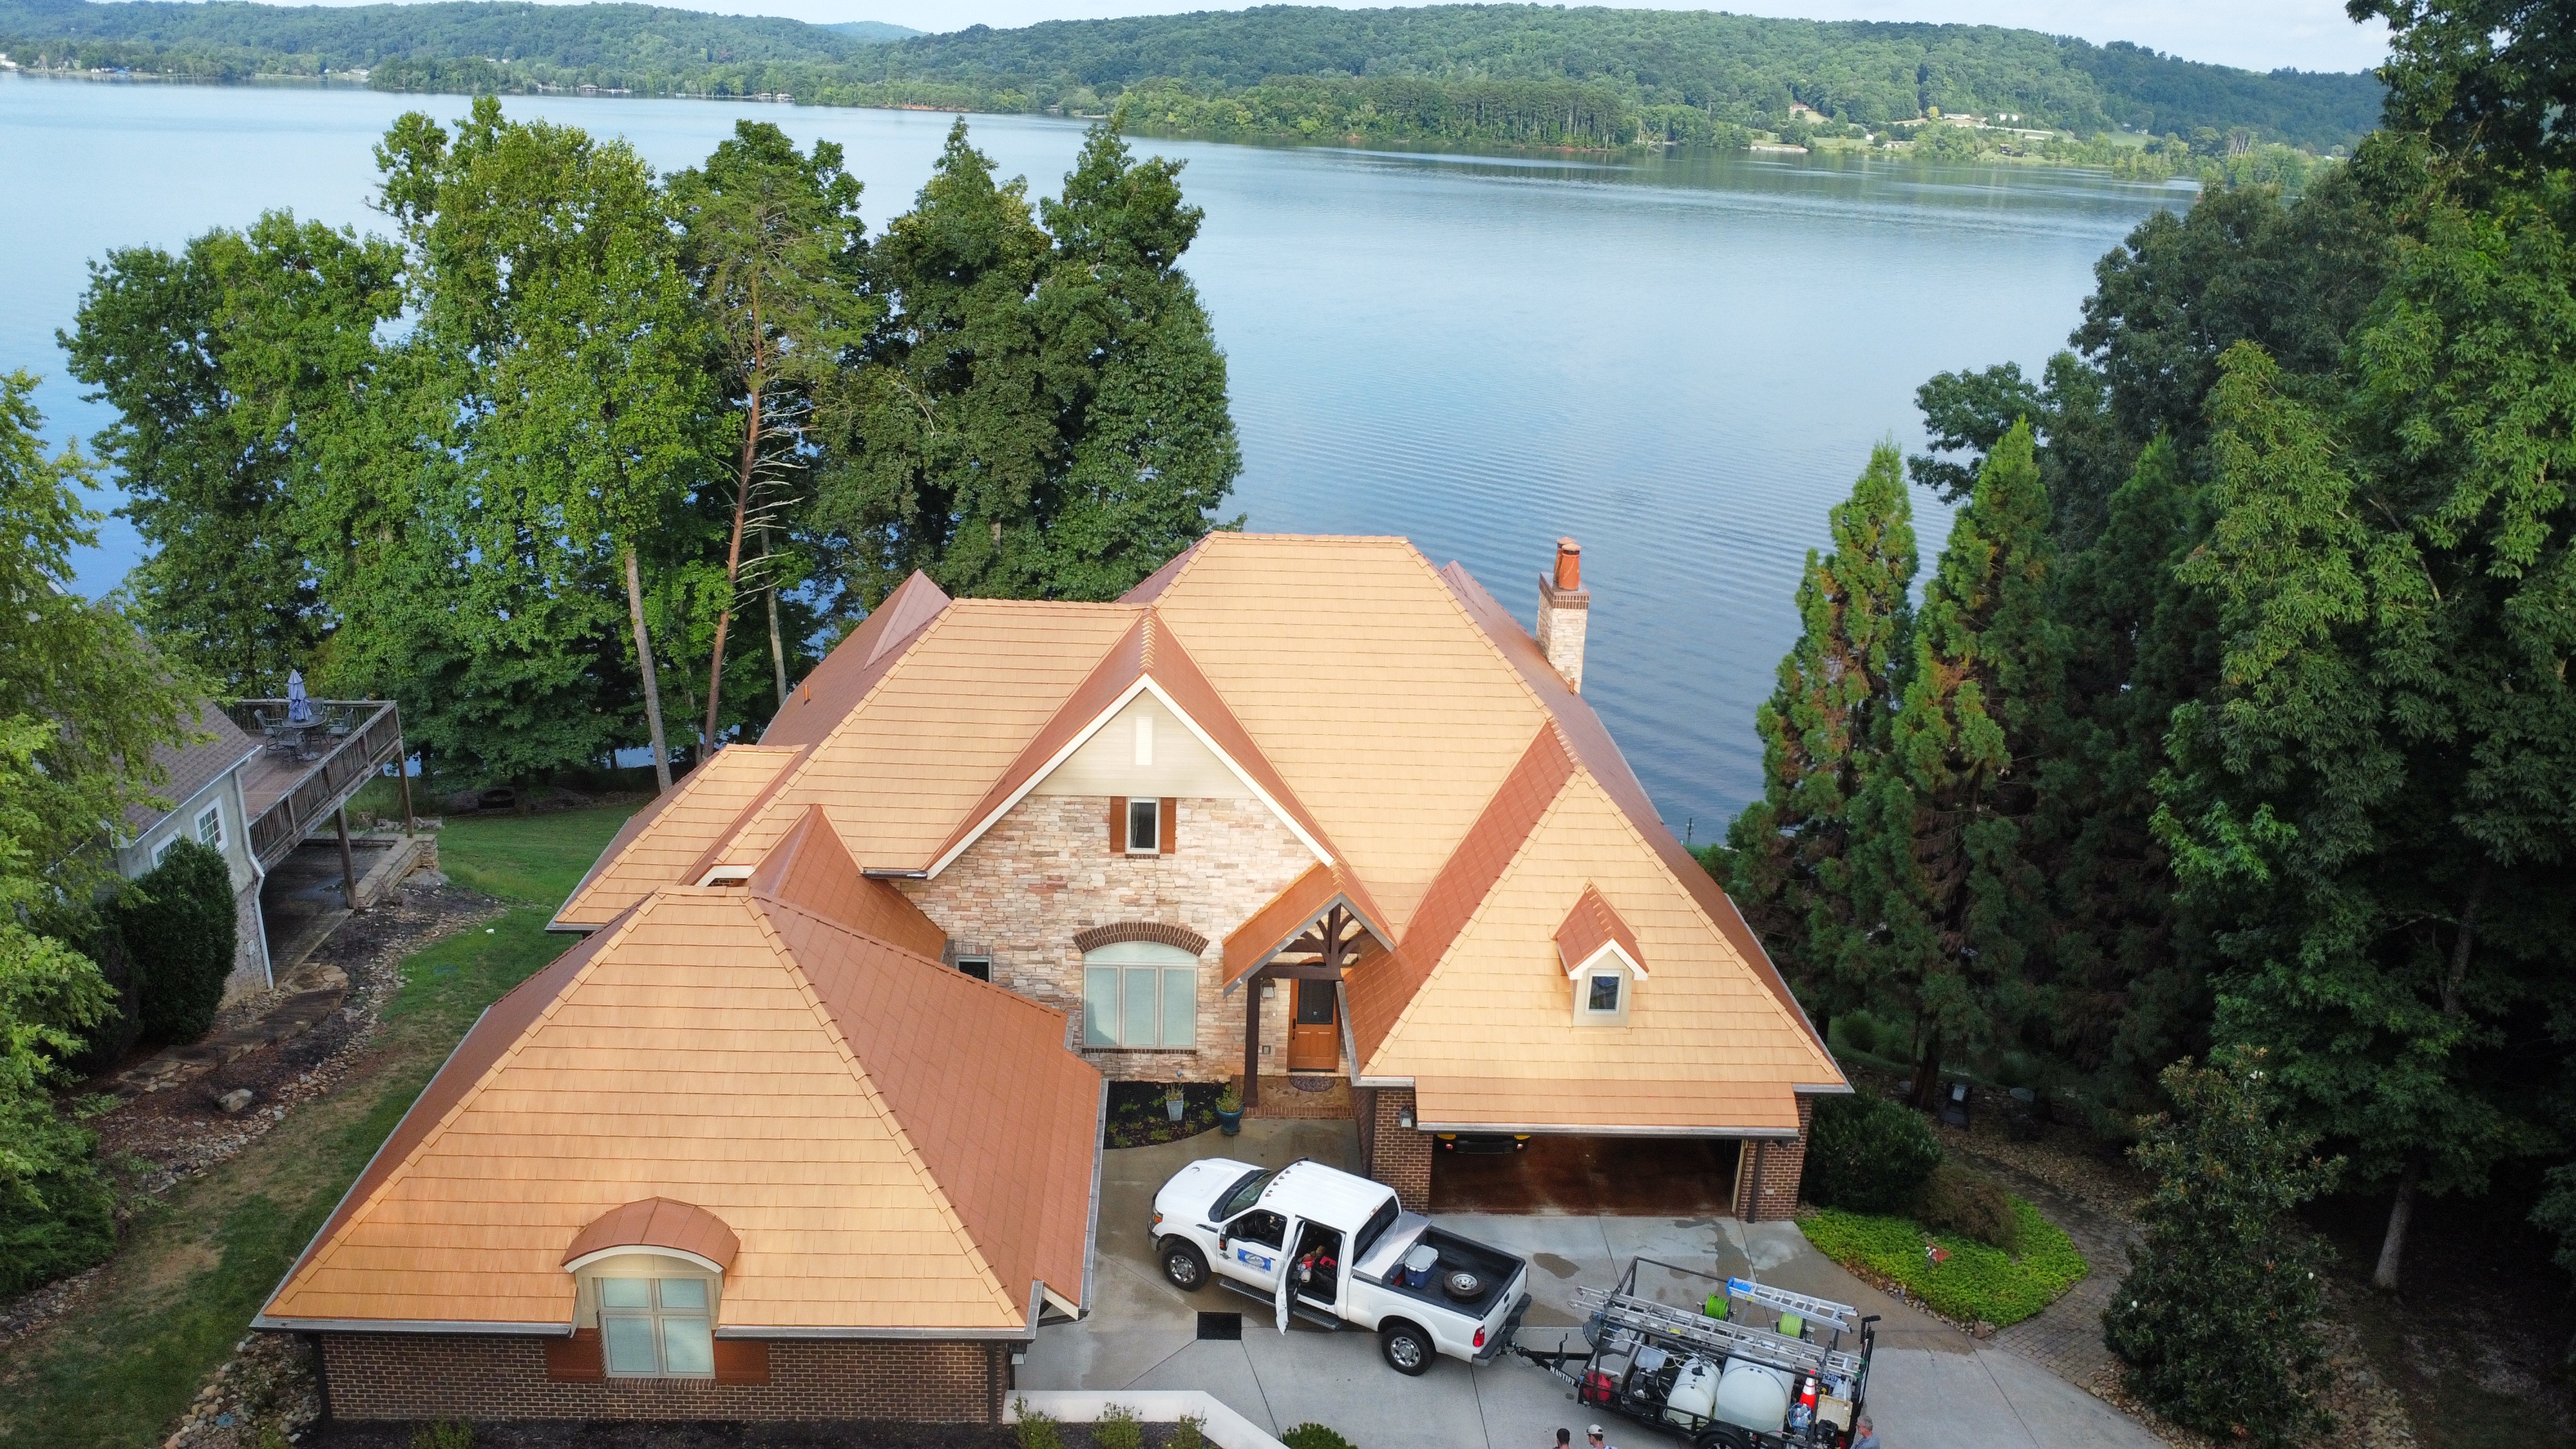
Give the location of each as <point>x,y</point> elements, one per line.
<point>1694,1394</point>
<point>1752,1397</point>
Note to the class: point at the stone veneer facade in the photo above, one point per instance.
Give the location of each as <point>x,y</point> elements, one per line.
<point>1045,871</point>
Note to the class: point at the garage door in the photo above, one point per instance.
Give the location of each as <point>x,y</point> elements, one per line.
<point>1625,1176</point>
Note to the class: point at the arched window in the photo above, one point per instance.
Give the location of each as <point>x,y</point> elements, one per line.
<point>1140,996</point>
<point>655,1312</point>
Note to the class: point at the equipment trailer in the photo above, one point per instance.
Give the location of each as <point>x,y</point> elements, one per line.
<point>1707,1373</point>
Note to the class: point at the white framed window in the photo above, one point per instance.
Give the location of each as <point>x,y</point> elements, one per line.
<point>1140,996</point>
<point>979,967</point>
<point>657,1327</point>
<point>162,851</point>
<point>1144,825</point>
<point>1601,995</point>
<point>210,827</point>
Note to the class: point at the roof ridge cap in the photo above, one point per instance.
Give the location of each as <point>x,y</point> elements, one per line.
<point>894,1124</point>
<point>402,1171</point>
<point>1449,951</point>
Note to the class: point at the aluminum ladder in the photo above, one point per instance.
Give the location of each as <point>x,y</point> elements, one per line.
<point>1717,1336</point>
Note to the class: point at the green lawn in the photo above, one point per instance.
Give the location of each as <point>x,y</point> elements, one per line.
<point>536,859</point>
<point>195,1269</point>
<point>1976,1282</point>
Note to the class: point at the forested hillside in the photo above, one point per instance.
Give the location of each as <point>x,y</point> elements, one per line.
<point>1490,72</point>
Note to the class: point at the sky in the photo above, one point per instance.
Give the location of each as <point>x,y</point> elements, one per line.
<point>2255,34</point>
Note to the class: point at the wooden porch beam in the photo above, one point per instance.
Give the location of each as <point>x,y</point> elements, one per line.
<point>1252,1040</point>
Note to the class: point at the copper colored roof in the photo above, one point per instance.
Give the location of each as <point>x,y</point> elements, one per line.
<point>1379,994</point>
<point>1285,917</point>
<point>825,697</point>
<point>896,1145</point>
<point>1490,1104</point>
<point>658,1222</point>
<point>1591,927</point>
<point>664,843</point>
<point>812,871</point>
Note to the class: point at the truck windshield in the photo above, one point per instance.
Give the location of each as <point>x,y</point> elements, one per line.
<point>1242,1195</point>
<point>1374,1229</point>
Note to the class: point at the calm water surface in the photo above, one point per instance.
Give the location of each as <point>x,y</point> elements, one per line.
<point>1682,363</point>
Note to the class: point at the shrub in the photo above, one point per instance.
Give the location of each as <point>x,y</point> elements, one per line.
<point>1313,1436</point>
<point>1971,1204</point>
<point>58,1215</point>
<point>445,1434</point>
<point>179,931</point>
<point>1974,1283</point>
<point>2214,1319</point>
<point>1867,1155</point>
<point>1036,1427</point>
<point>1189,1433</point>
<point>1117,1428</point>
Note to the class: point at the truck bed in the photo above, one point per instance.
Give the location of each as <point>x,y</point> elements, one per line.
<point>1495,1268</point>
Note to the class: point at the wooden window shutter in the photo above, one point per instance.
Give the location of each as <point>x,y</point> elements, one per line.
<point>742,1361</point>
<point>1171,824</point>
<point>576,1360</point>
<point>1117,825</point>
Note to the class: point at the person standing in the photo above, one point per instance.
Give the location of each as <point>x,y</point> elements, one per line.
<point>1592,1436</point>
<point>1565,1439</point>
<point>1864,1434</point>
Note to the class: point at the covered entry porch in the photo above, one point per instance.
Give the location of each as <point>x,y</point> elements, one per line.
<point>1302,963</point>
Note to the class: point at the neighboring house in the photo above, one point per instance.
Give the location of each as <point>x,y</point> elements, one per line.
<point>1294,804</point>
<point>204,780</point>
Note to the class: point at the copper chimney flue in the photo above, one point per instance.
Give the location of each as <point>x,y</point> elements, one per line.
<point>1564,609</point>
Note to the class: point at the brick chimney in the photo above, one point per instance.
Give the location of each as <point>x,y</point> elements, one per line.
<point>1564,606</point>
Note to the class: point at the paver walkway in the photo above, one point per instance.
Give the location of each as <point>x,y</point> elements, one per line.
<point>2066,1336</point>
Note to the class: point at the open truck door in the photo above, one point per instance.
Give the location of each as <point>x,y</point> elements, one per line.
<point>1286,1284</point>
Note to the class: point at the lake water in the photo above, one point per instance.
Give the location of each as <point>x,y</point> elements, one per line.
<point>1680,362</point>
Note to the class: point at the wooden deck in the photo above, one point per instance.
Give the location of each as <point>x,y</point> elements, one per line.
<point>290,795</point>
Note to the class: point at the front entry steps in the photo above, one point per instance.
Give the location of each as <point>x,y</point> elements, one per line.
<point>1286,1098</point>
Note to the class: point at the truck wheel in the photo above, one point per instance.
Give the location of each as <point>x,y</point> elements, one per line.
<point>1408,1349</point>
<point>1183,1266</point>
<point>1719,1439</point>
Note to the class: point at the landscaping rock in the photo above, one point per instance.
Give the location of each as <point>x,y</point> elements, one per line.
<point>236,1100</point>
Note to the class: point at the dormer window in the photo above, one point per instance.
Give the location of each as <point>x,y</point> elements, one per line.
<point>658,1327</point>
<point>1144,826</point>
<point>727,875</point>
<point>1601,958</point>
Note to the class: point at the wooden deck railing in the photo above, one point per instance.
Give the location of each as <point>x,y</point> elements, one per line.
<point>374,737</point>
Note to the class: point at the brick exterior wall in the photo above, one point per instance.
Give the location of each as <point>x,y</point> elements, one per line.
<point>1398,1156</point>
<point>494,1377</point>
<point>1777,1166</point>
<point>1044,872</point>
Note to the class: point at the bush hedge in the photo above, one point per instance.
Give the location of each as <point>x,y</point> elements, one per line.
<point>1313,1436</point>
<point>180,932</point>
<point>1971,1204</point>
<point>58,1216</point>
<point>1976,1283</point>
<point>1867,1155</point>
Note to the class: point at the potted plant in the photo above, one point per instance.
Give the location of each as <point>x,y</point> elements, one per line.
<point>1175,1103</point>
<point>1229,1110</point>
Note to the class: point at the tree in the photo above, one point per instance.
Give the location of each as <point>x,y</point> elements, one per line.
<point>1823,730</point>
<point>2213,1318</point>
<point>1151,451</point>
<point>1041,417</point>
<point>774,246</point>
<point>557,331</point>
<point>1942,894</point>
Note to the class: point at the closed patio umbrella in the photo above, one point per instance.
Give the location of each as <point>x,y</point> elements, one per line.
<point>299,710</point>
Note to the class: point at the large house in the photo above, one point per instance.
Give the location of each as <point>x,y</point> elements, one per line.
<point>202,778</point>
<point>807,1127</point>
<point>1294,804</point>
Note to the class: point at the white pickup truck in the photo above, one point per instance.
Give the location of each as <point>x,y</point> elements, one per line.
<point>1336,1249</point>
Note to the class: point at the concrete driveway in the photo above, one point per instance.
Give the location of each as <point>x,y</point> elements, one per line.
<point>1931,1387</point>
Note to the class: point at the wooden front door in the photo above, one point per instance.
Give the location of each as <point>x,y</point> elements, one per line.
<point>1315,1037</point>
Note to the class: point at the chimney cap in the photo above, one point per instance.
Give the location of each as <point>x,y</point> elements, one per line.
<point>1569,564</point>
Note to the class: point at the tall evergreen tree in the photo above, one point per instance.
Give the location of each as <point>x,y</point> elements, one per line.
<point>774,246</point>
<point>1823,731</point>
<point>1040,417</point>
<point>1938,868</point>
